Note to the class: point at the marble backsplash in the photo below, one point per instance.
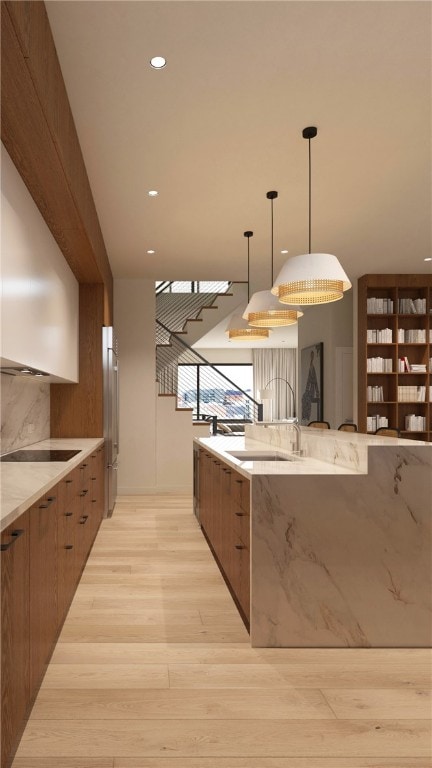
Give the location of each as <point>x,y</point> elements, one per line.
<point>25,412</point>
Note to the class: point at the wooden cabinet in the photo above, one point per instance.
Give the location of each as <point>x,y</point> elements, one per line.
<point>225,518</point>
<point>15,638</point>
<point>43,585</point>
<point>68,563</point>
<point>43,554</point>
<point>395,354</point>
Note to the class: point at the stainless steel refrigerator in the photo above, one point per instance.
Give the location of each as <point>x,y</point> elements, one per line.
<point>111,416</point>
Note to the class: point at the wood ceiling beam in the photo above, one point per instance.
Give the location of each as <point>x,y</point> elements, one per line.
<point>39,133</point>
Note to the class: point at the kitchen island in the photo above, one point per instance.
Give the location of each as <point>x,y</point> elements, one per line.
<point>340,538</point>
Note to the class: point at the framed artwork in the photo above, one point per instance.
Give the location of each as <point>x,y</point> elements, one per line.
<point>311,383</point>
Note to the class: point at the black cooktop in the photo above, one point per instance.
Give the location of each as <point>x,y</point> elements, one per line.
<point>42,455</point>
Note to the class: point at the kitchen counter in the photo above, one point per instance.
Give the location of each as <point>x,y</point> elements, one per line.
<point>23,483</point>
<point>340,539</point>
<point>220,446</point>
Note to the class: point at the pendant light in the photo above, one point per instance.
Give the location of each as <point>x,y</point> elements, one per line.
<point>264,310</point>
<point>313,278</point>
<point>238,328</point>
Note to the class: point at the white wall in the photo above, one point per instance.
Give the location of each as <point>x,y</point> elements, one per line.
<point>39,314</point>
<point>155,439</point>
<point>134,311</point>
<point>230,356</point>
<point>333,325</point>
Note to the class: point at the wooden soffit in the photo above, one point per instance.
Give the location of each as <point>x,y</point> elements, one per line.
<point>38,131</point>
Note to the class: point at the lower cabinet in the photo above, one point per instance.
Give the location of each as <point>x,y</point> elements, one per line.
<point>43,585</point>
<point>15,645</point>
<point>43,554</point>
<point>225,518</point>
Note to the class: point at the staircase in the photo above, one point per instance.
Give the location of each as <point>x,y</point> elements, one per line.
<point>195,313</point>
<point>181,319</point>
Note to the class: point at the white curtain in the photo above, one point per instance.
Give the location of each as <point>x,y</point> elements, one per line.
<point>279,364</point>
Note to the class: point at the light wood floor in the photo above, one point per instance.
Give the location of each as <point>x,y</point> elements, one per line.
<point>154,670</point>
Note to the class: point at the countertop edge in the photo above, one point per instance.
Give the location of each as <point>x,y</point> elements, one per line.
<point>70,465</point>
<point>310,466</point>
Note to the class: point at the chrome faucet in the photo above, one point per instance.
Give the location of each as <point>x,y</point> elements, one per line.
<point>292,422</point>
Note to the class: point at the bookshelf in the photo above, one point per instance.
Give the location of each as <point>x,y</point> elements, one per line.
<point>395,354</point>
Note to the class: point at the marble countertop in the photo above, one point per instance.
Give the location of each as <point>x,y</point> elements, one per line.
<point>302,465</point>
<point>24,482</point>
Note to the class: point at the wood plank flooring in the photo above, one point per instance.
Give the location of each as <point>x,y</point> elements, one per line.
<point>153,669</point>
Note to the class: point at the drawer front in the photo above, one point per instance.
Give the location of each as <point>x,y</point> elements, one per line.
<point>241,524</point>
<point>241,490</point>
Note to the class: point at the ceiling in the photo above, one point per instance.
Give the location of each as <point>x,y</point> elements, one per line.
<point>221,125</point>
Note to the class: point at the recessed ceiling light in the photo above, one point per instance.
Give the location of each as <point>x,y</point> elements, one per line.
<point>158,62</point>
<point>153,193</point>
<point>284,251</point>
<point>428,258</point>
<point>150,251</point>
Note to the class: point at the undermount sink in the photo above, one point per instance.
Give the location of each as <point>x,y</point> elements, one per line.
<point>260,456</point>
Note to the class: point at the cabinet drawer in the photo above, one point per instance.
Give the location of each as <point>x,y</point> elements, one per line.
<point>241,576</point>
<point>241,524</point>
<point>241,488</point>
<point>43,585</point>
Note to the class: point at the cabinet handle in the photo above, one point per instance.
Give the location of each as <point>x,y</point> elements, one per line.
<point>50,500</point>
<point>94,501</point>
<point>68,514</point>
<point>239,481</point>
<point>68,546</point>
<point>68,481</point>
<point>15,535</point>
<point>83,466</point>
<point>83,519</point>
<point>240,514</point>
<point>83,493</point>
<point>240,546</point>
<point>93,478</point>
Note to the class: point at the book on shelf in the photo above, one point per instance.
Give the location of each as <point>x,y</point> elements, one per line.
<point>411,394</point>
<point>411,336</point>
<point>375,422</point>
<point>418,367</point>
<point>412,306</point>
<point>379,365</point>
<point>415,423</point>
<point>376,306</point>
<point>403,365</point>
<point>375,394</point>
<point>379,336</point>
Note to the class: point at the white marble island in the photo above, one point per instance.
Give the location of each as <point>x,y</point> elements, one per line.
<point>341,547</point>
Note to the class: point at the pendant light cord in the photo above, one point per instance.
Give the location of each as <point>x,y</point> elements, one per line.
<point>248,234</point>
<point>272,251</point>
<point>310,197</point>
<point>309,133</point>
<point>271,196</point>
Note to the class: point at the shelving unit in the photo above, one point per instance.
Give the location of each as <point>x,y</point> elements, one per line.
<point>395,289</point>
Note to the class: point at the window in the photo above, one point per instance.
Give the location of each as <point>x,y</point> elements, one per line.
<point>224,391</point>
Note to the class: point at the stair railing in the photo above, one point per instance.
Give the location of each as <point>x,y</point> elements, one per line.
<point>232,404</point>
<point>192,286</point>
